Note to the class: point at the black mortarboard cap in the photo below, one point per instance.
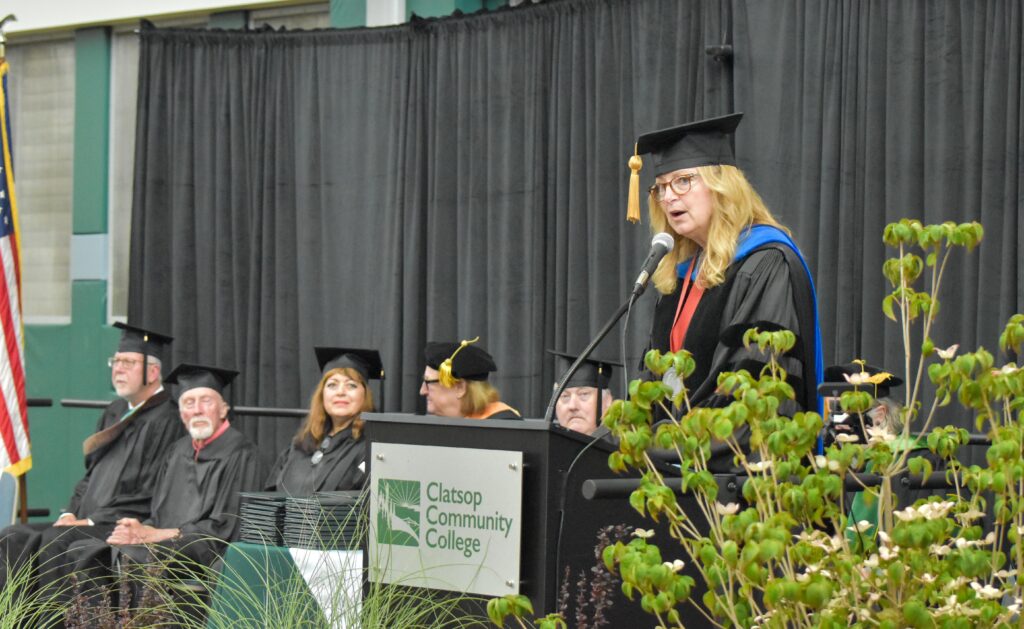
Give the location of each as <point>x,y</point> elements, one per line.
<point>594,372</point>
<point>187,376</point>
<point>142,341</point>
<point>705,142</point>
<point>835,373</point>
<point>366,361</point>
<point>469,363</point>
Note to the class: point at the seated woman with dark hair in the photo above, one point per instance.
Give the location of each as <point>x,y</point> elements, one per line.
<point>455,383</point>
<point>327,453</point>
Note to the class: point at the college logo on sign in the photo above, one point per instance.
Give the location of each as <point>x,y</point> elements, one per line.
<point>398,516</point>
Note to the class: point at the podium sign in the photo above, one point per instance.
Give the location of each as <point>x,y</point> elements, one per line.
<point>446,518</point>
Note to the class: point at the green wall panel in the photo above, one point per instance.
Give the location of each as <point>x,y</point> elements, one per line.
<point>348,13</point>
<point>66,361</point>
<point>441,8</point>
<point>92,130</point>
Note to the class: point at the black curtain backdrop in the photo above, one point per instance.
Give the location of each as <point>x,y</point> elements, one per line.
<point>466,176</point>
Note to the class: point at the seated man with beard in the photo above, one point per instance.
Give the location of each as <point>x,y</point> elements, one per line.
<point>122,460</point>
<point>196,501</point>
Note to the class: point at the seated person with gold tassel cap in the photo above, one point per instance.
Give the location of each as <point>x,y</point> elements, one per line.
<point>455,382</point>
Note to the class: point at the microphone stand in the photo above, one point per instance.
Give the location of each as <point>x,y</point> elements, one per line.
<point>549,414</point>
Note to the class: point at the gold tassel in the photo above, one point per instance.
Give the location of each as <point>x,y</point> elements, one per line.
<point>635,164</point>
<point>444,372</point>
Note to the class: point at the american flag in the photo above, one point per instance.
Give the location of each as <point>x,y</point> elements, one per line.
<point>15,456</point>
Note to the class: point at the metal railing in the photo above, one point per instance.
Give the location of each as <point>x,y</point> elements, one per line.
<point>255,411</point>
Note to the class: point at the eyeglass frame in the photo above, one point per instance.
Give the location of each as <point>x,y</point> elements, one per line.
<point>659,189</point>
<point>127,363</point>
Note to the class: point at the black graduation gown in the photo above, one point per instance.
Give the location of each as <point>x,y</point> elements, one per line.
<point>767,289</point>
<point>122,465</point>
<point>199,493</point>
<point>342,467</point>
<point>121,475</point>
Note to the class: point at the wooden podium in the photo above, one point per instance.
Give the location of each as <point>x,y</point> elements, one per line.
<point>560,528</point>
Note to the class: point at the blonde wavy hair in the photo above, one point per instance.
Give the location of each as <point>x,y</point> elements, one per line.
<point>479,393</point>
<point>735,207</point>
<point>317,423</point>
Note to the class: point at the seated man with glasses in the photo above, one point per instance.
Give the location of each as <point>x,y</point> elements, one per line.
<point>586,396</point>
<point>455,383</point>
<point>122,460</point>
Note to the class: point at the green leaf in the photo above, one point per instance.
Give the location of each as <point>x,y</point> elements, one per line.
<point>722,429</point>
<point>497,610</point>
<point>887,305</point>
<point>636,500</point>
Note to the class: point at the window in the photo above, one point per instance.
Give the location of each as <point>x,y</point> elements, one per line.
<point>41,88</point>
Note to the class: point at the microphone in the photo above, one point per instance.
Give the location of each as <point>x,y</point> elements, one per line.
<point>661,244</point>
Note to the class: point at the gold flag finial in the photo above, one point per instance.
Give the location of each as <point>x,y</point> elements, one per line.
<point>3,38</point>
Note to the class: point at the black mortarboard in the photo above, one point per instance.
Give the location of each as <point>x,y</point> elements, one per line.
<point>189,377</point>
<point>366,361</point>
<point>142,341</point>
<point>594,372</point>
<point>468,362</point>
<point>705,142</point>
<point>835,373</point>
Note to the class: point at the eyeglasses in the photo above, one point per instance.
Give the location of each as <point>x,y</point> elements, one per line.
<point>582,394</point>
<point>680,185</point>
<point>429,382</point>
<point>126,363</point>
<point>319,454</point>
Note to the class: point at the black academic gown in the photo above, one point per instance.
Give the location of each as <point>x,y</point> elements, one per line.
<point>767,289</point>
<point>342,467</point>
<point>196,493</point>
<point>122,461</point>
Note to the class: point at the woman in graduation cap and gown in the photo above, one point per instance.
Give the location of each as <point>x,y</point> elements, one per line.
<point>328,452</point>
<point>733,267</point>
<point>455,382</point>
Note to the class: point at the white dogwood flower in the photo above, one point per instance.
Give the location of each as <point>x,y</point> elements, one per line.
<point>860,527</point>
<point>986,591</point>
<point>857,378</point>
<point>729,509</point>
<point>760,466</point>
<point>675,566</point>
<point>949,352</point>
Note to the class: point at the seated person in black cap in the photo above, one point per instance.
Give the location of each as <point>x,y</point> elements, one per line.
<point>327,453</point>
<point>122,460</point>
<point>455,383</point>
<point>586,397</point>
<point>886,415</point>
<point>196,502</point>
<point>886,412</point>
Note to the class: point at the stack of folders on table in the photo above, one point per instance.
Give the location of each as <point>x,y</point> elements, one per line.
<point>262,515</point>
<point>323,521</point>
